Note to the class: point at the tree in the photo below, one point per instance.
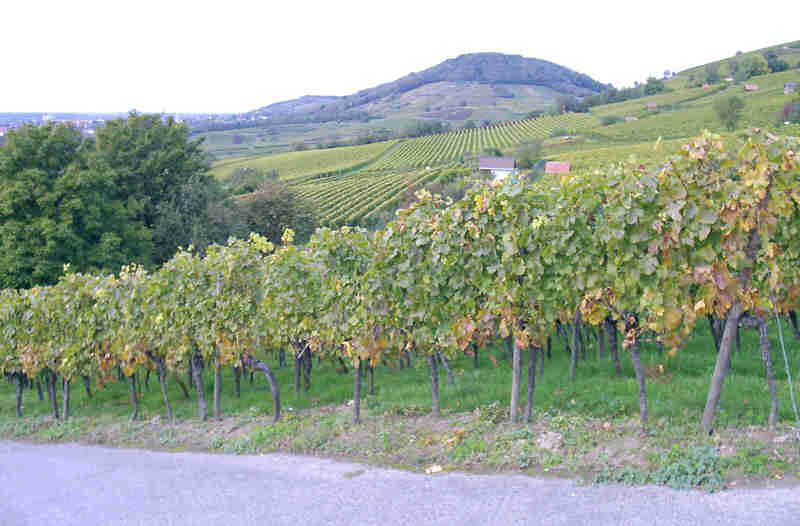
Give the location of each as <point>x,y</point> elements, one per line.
<point>653,86</point>
<point>570,103</point>
<point>197,213</point>
<point>148,161</point>
<point>729,111</point>
<point>528,153</point>
<point>755,65</point>
<point>712,73</point>
<point>57,208</point>
<point>776,65</point>
<point>273,208</point>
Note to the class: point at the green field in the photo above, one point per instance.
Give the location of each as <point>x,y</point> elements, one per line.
<point>435,149</point>
<point>298,164</point>
<point>358,197</point>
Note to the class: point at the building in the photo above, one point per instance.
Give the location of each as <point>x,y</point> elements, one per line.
<point>751,87</point>
<point>556,167</point>
<point>652,106</point>
<point>630,118</point>
<point>501,167</point>
<point>789,87</point>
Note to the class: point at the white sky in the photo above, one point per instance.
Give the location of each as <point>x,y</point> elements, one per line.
<point>235,56</point>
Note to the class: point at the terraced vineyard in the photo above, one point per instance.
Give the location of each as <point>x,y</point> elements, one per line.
<point>298,164</point>
<point>637,107</point>
<point>436,149</point>
<point>601,157</point>
<point>358,197</point>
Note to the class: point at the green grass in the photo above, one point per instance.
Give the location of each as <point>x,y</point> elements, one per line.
<point>593,421</point>
<point>293,165</point>
<point>677,395</point>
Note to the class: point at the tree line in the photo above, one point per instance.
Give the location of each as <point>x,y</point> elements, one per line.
<point>136,192</point>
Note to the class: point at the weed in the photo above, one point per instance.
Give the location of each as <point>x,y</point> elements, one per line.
<point>695,467</point>
<point>493,413</point>
<point>629,475</point>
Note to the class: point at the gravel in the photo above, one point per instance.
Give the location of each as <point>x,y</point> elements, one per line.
<point>70,484</point>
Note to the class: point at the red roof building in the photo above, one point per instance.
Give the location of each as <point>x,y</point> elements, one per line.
<point>556,167</point>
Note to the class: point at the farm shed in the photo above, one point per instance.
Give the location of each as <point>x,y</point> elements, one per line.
<point>501,167</point>
<point>556,167</point>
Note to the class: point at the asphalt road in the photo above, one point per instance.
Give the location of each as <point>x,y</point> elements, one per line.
<point>70,484</point>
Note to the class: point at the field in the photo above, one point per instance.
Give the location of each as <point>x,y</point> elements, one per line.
<point>596,157</point>
<point>360,196</point>
<point>298,164</point>
<point>435,149</point>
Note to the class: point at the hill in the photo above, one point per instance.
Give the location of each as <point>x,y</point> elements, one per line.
<point>478,88</point>
<point>479,79</point>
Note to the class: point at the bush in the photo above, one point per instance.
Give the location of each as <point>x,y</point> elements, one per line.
<point>274,207</point>
<point>697,467</point>
<point>528,154</point>
<point>729,111</point>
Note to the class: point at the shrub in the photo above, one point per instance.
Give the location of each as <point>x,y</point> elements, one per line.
<point>697,467</point>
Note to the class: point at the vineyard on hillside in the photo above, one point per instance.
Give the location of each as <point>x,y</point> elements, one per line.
<point>357,197</point>
<point>436,149</point>
<point>298,164</point>
<point>358,194</point>
<point>600,158</point>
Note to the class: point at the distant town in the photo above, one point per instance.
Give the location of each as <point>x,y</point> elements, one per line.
<point>88,123</point>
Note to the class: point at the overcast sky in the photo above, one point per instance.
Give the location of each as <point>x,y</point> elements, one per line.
<point>235,56</point>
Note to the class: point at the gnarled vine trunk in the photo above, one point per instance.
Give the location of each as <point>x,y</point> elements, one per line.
<point>273,385</point>
<point>434,383</point>
<point>18,377</point>
<point>534,352</point>
<point>516,379</point>
<point>134,397</point>
<point>573,363</point>
<point>640,379</point>
<point>198,384</point>
<point>720,368</point>
<point>65,398</point>
<point>357,394</point>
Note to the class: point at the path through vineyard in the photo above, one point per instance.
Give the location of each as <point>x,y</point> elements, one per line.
<point>71,484</point>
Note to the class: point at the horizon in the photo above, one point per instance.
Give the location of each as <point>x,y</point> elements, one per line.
<point>194,59</point>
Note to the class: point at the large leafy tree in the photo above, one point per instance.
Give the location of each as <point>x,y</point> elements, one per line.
<point>56,209</point>
<point>135,194</point>
<point>163,176</point>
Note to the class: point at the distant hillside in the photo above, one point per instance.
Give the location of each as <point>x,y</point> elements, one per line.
<point>481,78</point>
